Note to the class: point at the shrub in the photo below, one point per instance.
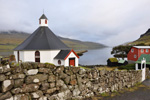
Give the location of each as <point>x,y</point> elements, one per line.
<point>12,58</point>
<point>4,62</point>
<point>127,67</point>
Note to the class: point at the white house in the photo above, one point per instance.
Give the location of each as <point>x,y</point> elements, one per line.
<point>44,46</point>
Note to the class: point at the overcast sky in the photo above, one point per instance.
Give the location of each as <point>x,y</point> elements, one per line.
<point>111,22</point>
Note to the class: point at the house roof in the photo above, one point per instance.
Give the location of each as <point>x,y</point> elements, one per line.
<point>62,54</point>
<point>142,47</point>
<point>42,39</point>
<point>146,56</point>
<point>43,17</point>
<point>121,61</point>
<point>113,59</point>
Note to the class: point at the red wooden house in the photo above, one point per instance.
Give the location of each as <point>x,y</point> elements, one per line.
<point>136,51</point>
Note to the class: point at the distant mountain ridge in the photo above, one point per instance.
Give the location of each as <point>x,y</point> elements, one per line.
<point>144,39</point>
<point>10,39</point>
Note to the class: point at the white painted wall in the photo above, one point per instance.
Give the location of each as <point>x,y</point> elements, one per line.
<point>43,22</point>
<point>15,53</point>
<point>29,56</point>
<point>48,56</point>
<point>72,55</point>
<point>45,56</point>
<point>56,62</point>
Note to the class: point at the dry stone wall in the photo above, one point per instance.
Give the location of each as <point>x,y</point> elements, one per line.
<point>32,81</point>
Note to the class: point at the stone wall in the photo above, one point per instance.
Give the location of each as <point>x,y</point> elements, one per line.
<point>31,81</point>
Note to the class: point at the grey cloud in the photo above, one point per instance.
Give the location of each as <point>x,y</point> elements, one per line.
<point>101,21</point>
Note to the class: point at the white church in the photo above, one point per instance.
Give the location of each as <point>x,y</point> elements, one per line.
<point>45,47</point>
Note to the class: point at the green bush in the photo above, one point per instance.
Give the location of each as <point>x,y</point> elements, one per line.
<point>127,67</point>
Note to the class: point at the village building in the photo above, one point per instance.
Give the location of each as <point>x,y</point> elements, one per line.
<point>45,47</point>
<point>136,51</point>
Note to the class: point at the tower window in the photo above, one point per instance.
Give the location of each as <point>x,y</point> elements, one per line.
<point>39,21</point>
<point>45,21</point>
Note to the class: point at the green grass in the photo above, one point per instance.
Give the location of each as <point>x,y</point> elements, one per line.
<point>127,67</point>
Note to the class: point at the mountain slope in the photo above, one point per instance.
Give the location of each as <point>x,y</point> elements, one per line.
<point>9,40</point>
<point>144,39</point>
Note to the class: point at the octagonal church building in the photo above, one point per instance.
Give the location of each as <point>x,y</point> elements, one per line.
<point>45,47</point>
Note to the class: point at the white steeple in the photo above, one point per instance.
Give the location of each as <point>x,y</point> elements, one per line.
<point>43,21</point>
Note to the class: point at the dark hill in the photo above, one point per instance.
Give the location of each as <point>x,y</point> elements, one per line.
<point>144,39</point>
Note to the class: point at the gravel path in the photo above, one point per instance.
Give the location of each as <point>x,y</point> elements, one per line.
<point>142,93</point>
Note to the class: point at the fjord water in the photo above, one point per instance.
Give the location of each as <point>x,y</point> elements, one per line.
<point>96,57</point>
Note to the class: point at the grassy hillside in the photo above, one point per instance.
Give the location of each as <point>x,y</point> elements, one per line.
<point>9,40</point>
<point>144,39</point>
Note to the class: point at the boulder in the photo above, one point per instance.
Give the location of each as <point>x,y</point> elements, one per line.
<point>44,70</point>
<point>73,82</point>
<point>18,82</point>
<point>67,80</point>
<point>29,88</point>
<point>51,78</point>
<point>32,72</point>
<point>36,78</point>
<point>76,92</point>
<point>49,91</point>
<point>6,95</point>
<point>18,76</point>
<point>52,85</point>
<point>16,90</point>
<point>75,69</point>
<point>44,86</point>
<point>37,94</point>
<point>2,77</point>
<point>59,69</point>
<point>59,83</point>
<point>6,68</point>
<point>22,97</point>
<point>7,85</point>
<point>43,98</point>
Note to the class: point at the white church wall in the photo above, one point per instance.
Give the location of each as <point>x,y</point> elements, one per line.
<point>48,56</point>
<point>29,56</point>
<point>72,55</point>
<point>21,55</point>
<point>16,56</point>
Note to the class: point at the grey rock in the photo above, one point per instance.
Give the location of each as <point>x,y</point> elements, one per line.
<point>36,78</point>
<point>22,97</point>
<point>44,70</point>
<point>52,85</point>
<point>18,76</point>
<point>76,92</point>
<point>67,80</point>
<point>49,91</point>
<point>2,77</point>
<point>44,86</point>
<point>37,94</point>
<point>16,90</point>
<point>29,88</point>
<point>51,78</point>
<point>59,83</point>
<point>32,72</point>
<point>18,82</point>
<point>6,95</point>
<point>7,85</point>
